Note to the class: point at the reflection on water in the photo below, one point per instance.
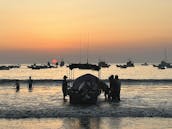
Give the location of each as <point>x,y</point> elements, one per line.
<point>87,123</point>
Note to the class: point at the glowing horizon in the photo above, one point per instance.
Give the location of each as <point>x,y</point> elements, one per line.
<point>64,25</point>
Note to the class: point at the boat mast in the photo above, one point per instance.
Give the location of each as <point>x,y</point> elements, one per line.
<point>87,48</point>
<point>80,52</point>
<point>165,53</point>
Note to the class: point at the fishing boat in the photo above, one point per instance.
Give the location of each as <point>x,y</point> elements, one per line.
<point>86,88</point>
<point>4,68</point>
<point>164,63</point>
<point>103,64</point>
<point>145,64</point>
<point>128,64</point>
<point>62,63</point>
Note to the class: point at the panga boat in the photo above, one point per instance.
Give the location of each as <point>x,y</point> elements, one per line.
<point>145,64</point>
<point>85,90</point>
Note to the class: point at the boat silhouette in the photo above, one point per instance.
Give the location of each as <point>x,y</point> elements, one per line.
<point>103,64</point>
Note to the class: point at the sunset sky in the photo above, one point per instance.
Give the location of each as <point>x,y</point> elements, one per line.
<point>40,30</point>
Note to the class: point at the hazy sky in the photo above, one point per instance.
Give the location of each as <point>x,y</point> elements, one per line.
<point>39,30</point>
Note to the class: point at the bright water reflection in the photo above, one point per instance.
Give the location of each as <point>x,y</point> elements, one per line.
<point>87,123</point>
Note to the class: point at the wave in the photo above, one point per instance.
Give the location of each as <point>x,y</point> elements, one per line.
<point>124,81</point>
<point>85,112</point>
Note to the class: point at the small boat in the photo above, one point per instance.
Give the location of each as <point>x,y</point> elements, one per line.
<point>4,68</point>
<point>84,66</point>
<point>128,64</point>
<point>103,64</point>
<point>38,67</point>
<point>145,64</point>
<point>85,90</point>
<point>163,65</point>
<point>62,63</point>
<point>123,66</point>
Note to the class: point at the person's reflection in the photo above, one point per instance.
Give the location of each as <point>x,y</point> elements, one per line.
<point>84,122</point>
<point>95,123</point>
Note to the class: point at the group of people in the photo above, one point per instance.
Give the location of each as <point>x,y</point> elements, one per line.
<point>115,88</point>
<point>30,81</point>
<point>113,91</point>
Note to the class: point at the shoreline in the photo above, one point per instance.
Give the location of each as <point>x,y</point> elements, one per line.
<point>59,81</point>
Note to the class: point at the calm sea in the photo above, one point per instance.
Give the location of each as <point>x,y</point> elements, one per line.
<point>145,104</point>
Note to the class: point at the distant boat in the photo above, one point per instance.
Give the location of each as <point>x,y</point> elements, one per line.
<point>103,64</point>
<point>163,65</point>
<point>145,64</point>
<point>38,67</point>
<point>128,64</point>
<point>84,66</point>
<point>4,68</point>
<point>62,63</point>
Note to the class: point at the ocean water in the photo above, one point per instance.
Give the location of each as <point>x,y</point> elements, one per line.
<point>138,72</point>
<point>87,123</point>
<point>143,105</point>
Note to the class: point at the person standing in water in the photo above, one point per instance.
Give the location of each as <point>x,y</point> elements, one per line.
<point>64,87</point>
<point>30,83</point>
<point>17,86</point>
<point>117,84</point>
<point>112,88</point>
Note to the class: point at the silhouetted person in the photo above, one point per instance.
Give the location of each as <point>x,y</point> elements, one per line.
<point>104,88</point>
<point>17,86</point>
<point>48,64</point>
<point>64,87</point>
<point>112,88</point>
<point>30,83</point>
<point>117,84</point>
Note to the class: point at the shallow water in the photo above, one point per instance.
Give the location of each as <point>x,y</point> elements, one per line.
<point>46,102</point>
<point>87,123</point>
<point>144,104</point>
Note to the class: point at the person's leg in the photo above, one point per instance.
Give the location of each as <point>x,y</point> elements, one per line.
<point>63,96</point>
<point>118,96</point>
